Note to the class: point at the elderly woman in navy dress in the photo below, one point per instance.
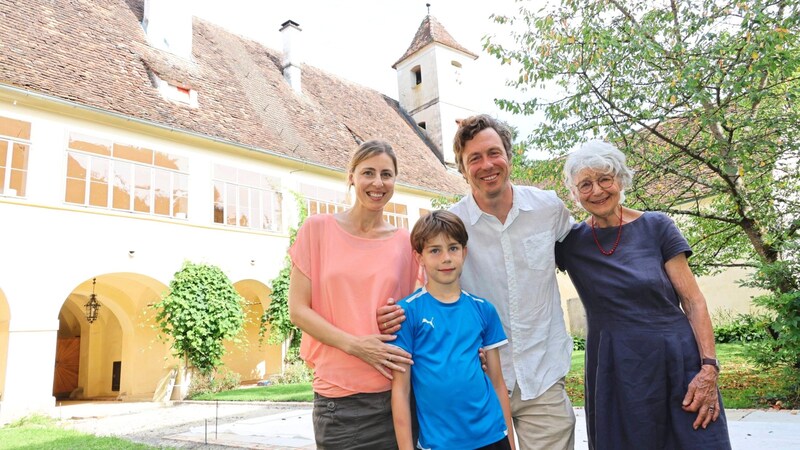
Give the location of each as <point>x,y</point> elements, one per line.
<point>651,367</point>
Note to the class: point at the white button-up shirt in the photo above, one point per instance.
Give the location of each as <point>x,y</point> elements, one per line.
<point>512,264</point>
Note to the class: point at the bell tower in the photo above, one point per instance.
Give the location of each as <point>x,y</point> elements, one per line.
<point>433,83</point>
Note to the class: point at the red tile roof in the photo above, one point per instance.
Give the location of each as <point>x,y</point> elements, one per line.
<point>430,31</point>
<point>94,53</point>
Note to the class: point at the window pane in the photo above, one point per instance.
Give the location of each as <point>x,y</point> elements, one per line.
<point>244,207</point>
<point>248,178</point>
<point>76,165</point>
<point>230,205</point>
<point>181,207</point>
<point>218,203</point>
<point>76,191</point>
<point>171,161</point>
<point>2,179</point>
<point>161,192</point>
<point>277,216</point>
<point>98,188</point>
<point>133,153</point>
<point>17,183</point>
<point>90,144</point>
<point>180,194</point>
<point>266,210</point>
<point>19,157</point>
<point>15,128</point>
<point>123,183</point>
<point>399,208</point>
<point>98,194</point>
<point>224,173</point>
<point>3,152</point>
<point>141,200</point>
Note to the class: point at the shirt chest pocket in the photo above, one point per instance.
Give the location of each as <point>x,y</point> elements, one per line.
<point>539,250</point>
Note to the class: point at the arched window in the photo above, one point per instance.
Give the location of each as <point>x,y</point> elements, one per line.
<point>416,72</point>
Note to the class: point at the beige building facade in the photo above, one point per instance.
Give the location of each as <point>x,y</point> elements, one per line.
<point>120,159</point>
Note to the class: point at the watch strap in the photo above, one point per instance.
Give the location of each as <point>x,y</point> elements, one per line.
<point>710,362</point>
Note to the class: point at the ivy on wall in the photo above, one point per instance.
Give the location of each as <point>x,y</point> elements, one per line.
<point>275,320</point>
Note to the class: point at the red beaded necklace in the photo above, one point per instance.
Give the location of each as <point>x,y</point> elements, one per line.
<point>616,243</point>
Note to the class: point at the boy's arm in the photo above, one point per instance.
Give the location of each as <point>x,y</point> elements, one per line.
<point>495,372</point>
<point>401,408</point>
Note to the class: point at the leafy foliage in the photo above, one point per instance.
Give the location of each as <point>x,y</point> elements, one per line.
<point>730,328</point>
<point>784,341</point>
<point>578,342</point>
<point>275,319</point>
<point>295,372</point>
<point>702,97</point>
<point>444,202</point>
<point>201,310</point>
<point>221,380</point>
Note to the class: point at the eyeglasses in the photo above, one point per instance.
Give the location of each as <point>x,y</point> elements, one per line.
<point>586,186</point>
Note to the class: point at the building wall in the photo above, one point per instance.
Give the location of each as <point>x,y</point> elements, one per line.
<point>53,249</point>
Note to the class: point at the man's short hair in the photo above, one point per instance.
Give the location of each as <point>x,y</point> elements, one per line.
<point>435,223</point>
<point>469,127</point>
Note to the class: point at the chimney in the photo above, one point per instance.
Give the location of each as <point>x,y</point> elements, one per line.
<point>291,56</point>
<point>168,26</point>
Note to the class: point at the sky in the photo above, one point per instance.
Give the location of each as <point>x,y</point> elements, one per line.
<point>359,40</point>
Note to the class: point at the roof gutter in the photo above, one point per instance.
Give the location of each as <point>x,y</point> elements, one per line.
<point>19,92</point>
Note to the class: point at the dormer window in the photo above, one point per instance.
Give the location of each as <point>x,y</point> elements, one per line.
<point>422,125</point>
<point>416,73</point>
<point>174,92</point>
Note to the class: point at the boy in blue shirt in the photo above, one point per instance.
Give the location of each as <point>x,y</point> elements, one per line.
<point>458,405</point>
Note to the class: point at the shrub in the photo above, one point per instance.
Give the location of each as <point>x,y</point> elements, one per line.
<point>201,310</point>
<point>221,380</point>
<point>295,372</point>
<point>749,327</point>
<point>578,342</point>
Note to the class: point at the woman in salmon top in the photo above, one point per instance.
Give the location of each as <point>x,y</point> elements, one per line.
<point>344,266</point>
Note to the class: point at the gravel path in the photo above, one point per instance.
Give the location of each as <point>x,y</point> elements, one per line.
<point>152,423</point>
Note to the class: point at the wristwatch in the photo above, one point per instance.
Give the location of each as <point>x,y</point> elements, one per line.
<point>710,362</point>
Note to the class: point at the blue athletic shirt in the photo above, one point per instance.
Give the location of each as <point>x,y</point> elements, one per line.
<point>456,403</point>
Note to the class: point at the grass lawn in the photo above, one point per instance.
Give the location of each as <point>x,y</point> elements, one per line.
<point>300,392</point>
<point>40,432</point>
<point>743,385</point>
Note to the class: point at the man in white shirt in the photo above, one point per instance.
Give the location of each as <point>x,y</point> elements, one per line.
<point>512,234</point>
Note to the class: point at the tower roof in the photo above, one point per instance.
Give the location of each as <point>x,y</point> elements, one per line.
<point>430,31</point>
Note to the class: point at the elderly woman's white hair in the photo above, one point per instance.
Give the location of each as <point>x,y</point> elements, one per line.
<point>601,157</point>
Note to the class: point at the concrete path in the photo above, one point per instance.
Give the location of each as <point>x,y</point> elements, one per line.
<point>749,430</point>
<point>288,426</point>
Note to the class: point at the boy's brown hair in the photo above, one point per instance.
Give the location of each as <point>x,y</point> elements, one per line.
<point>436,223</point>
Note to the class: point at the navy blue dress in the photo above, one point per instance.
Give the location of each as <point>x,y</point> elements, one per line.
<point>641,352</point>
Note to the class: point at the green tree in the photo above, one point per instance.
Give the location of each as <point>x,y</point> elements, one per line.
<point>702,97</point>
<point>200,312</point>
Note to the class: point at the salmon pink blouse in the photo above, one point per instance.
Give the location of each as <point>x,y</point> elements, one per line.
<point>350,278</point>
